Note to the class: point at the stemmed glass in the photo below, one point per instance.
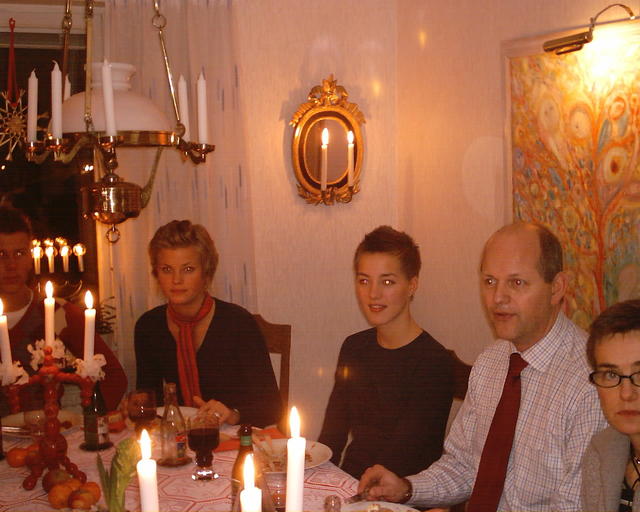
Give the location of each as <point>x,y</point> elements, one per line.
<point>204,437</point>
<point>141,408</point>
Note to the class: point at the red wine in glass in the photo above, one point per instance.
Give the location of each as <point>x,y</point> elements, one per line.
<point>204,437</point>
<point>141,408</point>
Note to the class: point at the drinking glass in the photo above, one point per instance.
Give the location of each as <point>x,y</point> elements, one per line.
<point>141,408</point>
<point>204,437</point>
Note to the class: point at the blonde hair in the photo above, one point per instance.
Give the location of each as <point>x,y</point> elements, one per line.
<point>182,233</point>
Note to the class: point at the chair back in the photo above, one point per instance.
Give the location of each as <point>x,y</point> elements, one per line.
<point>278,339</point>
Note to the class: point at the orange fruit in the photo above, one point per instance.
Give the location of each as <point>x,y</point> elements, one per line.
<point>16,456</point>
<point>93,488</point>
<point>82,499</point>
<point>74,483</point>
<point>59,495</point>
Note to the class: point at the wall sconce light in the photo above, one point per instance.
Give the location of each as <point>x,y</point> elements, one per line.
<point>575,42</point>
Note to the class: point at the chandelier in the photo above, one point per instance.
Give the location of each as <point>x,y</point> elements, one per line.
<point>126,120</point>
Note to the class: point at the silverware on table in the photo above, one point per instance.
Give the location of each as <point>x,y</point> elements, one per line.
<point>9,429</point>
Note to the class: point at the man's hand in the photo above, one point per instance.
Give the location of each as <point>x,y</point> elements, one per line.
<point>378,483</point>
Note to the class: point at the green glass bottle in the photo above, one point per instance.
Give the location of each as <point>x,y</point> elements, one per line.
<point>96,426</point>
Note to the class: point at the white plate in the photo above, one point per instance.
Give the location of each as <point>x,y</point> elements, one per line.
<point>318,453</point>
<point>17,420</point>
<point>363,506</point>
<point>187,412</point>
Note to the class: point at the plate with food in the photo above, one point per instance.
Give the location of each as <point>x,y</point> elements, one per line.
<point>19,426</point>
<point>376,506</point>
<point>273,454</point>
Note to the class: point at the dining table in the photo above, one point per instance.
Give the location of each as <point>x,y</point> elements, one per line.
<point>176,489</point>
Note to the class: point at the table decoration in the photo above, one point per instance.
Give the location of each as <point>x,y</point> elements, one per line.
<point>115,480</point>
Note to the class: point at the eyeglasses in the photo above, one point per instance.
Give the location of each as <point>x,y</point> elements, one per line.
<point>16,254</point>
<point>610,379</point>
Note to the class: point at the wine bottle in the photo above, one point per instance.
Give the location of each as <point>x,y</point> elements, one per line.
<point>246,447</point>
<point>173,430</point>
<point>96,426</point>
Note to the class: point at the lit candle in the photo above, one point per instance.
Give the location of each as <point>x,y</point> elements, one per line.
<point>250,496</point>
<point>56,102</point>
<point>64,252</point>
<point>67,88</point>
<point>183,105</point>
<point>37,254</point>
<point>323,159</point>
<point>79,251</point>
<point>350,158</point>
<point>32,108</point>
<point>89,326</point>
<point>147,478</point>
<point>203,134</point>
<point>49,254</point>
<point>49,312</point>
<point>107,98</point>
<point>5,347</point>
<point>295,464</point>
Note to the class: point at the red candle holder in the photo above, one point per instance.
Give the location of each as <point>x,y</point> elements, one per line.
<point>53,445</point>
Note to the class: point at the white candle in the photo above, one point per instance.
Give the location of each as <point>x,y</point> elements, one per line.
<point>350,158</point>
<point>5,347</point>
<point>147,478</point>
<point>79,251</point>
<point>295,464</point>
<point>89,326</point>
<point>67,88</point>
<point>250,496</point>
<point>203,134</point>
<point>37,254</point>
<point>49,312</point>
<point>56,102</point>
<point>49,254</point>
<point>32,111</point>
<point>323,159</point>
<point>64,252</point>
<point>183,106</point>
<point>107,98</point>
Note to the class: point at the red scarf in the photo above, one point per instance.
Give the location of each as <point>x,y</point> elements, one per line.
<point>185,351</point>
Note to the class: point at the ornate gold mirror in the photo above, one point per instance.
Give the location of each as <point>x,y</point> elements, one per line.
<point>327,148</point>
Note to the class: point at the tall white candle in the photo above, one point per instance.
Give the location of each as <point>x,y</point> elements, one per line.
<point>295,464</point>
<point>147,478</point>
<point>49,313</point>
<point>64,252</point>
<point>79,251</point>
<point>89,326</point>
<point>203,131</point>
<point>250,496</point>
<point>56,102</point>
<point>323,159</point>
<point>107,98</point>
<point>67,88</point>
<point>49,254</point>
<point>5,347</point>
<point>183,106</point>
<point>37,254</point>
<point>350,158</point>
<point>32,108</point>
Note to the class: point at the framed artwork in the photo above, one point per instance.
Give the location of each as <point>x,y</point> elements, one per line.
<point>573,152</point>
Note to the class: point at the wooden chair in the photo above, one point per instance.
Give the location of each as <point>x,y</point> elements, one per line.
<point>278,338</point>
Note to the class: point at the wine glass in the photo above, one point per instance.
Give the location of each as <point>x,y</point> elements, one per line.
<point>204,437</point>
<point>141,408</point>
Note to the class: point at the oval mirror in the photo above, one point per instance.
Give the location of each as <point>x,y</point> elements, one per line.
<point>327,148</point>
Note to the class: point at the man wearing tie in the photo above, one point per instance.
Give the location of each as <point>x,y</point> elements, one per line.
<point>518,439</point>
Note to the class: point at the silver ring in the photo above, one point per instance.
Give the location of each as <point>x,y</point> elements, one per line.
<point>217,415</point>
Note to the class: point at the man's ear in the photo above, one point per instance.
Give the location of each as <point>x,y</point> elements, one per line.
<point>559,287</point>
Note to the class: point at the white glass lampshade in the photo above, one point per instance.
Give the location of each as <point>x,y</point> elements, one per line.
<point>132,111</point>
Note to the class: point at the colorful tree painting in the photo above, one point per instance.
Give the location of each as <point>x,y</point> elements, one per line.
<point>575,156</point>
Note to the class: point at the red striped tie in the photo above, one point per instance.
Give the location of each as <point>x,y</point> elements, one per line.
<point>497,448</point>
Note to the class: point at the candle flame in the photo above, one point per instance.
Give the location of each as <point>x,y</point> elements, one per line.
<point>48,242</point>
<point>1,307</point>
<point>325,136</point>
<point>88,300</point>
<point>35,243</point>
<point>350,137</point>
<point>37,252</point>
<point>79,249</point>
<point>64,250</point>
<point>248,472</point>
<point>48,288</point>
<point>49,251</point>
<point>145,444</point>
<point>294,422</point>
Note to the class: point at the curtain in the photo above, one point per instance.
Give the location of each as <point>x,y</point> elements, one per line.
<point>216,194</point>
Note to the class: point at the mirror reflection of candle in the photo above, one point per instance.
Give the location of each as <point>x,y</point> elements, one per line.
<point>49,254</point>
<point>64,252</point>
<point>323,159</point>
<point>79,250</point>
<point>37,254</point>
<point>5,347</point>
<point>350,158</point>
<point>49,311</point>
<point>89,326</point>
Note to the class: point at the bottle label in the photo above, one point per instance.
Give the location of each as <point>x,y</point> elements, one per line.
<point>103,430</point>
<point>181,444</point>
